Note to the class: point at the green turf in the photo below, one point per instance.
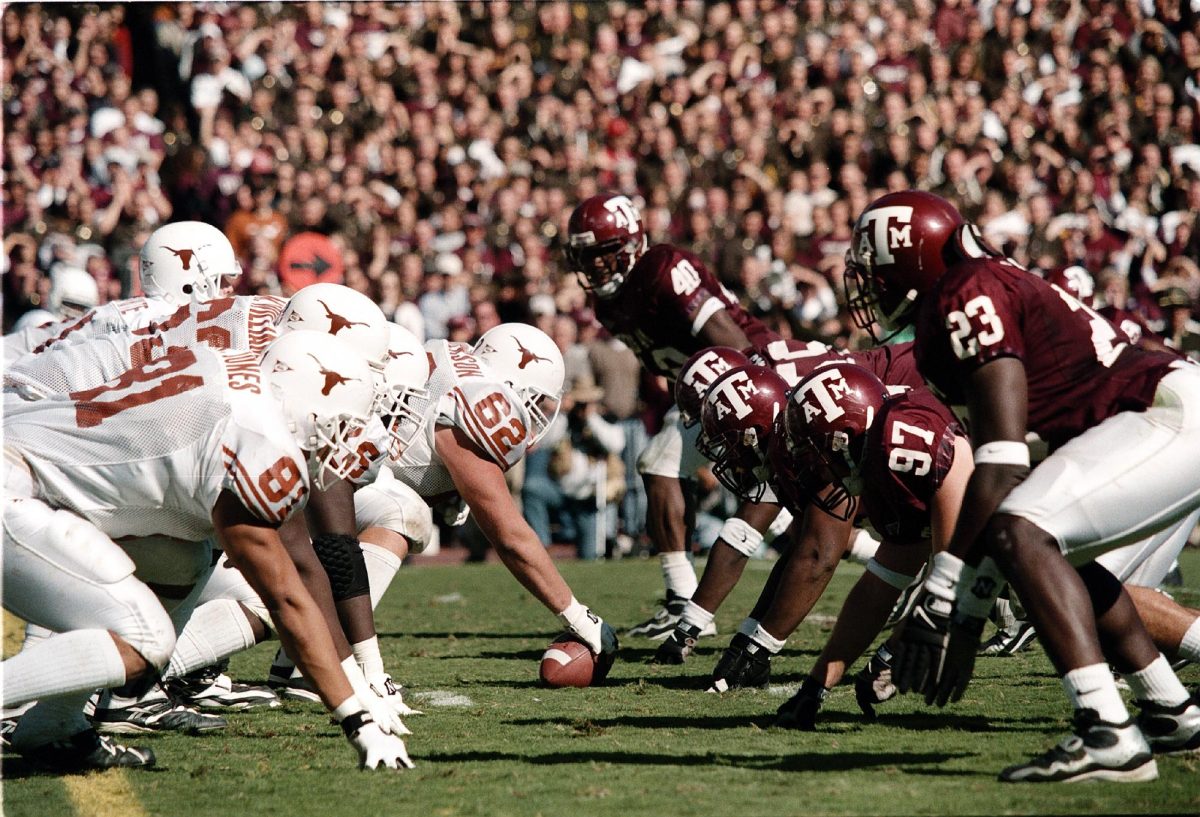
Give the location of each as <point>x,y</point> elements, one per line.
<point>648,743</point>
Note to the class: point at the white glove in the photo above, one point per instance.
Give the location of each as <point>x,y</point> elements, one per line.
<point>384,716</point>
<point>454,512</point>
<point>590,628</point>
<point>375,748</point>
<point>386,688</point>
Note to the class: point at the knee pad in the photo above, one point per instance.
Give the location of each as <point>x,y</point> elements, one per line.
<point>1102,586</point>
<point>741,536</point>
<point>342,559</point>
<point>390,504</point>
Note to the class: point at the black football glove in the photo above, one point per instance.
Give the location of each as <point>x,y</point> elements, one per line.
<point>921,644</point>
<point>800,710</point>
<point>678,645</point>
<point>873,683</point>
<point>958,665</point>
<point>745,663</point>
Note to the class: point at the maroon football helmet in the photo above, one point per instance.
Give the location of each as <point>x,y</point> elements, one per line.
<point>736,419</point>
<point>605,238</point>
<point>825,428</point>
<point>1077,281</point>
<point>900,246</point>
<point>698,373</point>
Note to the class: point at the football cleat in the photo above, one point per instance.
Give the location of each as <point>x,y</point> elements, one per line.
<point>85,751</point>
<point>1006,641</point>
<point>663,622</point>
<point>1170,730</point>
<point>7,727</point>
<point>1096,750</point>
<point>156,712</point>
<point>678,645</point>
<point>745,663</point>
<point>210,688</point>
<point>287,682</point>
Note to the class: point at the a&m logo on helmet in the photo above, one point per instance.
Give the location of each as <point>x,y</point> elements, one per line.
<point>625,215</point>
<point>883,229</point>
<point>733,396</point>
<point>819,396</point>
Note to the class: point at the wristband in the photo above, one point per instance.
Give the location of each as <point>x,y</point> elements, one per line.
<point>974,598</point>
<point>348,707</point>
<point>1002,452</point>
<point>574,611</point>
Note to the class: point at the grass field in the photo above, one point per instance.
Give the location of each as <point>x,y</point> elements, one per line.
<point>466,641</point>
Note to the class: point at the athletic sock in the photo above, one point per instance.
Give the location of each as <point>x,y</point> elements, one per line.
<point>52,719</point>
<point>1157,683</point>
<point>366,653</point>
<point>696,615</point>
<point>773,644</point>
<point>382,566</point>
<point>217,629</point>
<point>1189,647</point>
<point>678,574</point>
<point>80,660</point>
<point>1093,687</point>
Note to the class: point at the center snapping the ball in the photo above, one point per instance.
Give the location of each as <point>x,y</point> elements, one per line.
<point>568,662</point>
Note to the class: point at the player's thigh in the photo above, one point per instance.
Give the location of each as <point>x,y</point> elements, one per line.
<point>1146,562</point>
<point>227,583</point>
<point>63,573</point>
<point>390,504</point>
<point>1121,481</point>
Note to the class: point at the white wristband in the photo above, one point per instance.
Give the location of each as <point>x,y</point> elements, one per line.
<point>573,612</point>
<point>348,707</point>
<point>1002,452</point>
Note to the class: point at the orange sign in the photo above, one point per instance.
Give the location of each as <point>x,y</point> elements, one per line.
<point>310,258</point>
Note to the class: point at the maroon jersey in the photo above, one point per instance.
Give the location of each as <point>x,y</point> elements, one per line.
<point>1080,369</point>
<point>910,449</point>
<point>1131,323</point>
<point>666,298</point>
<point>794,360</point>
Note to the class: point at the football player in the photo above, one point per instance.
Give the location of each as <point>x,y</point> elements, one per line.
<point>847,446</point>
<point>197,444</point>
<point>179,262</point>
<point>817,543</point>
<point>1016,354</point>
<point>664,304</point>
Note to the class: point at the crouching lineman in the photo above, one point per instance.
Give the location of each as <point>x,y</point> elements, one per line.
<point>197,444</point>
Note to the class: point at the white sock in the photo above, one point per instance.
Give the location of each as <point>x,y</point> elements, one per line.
<point>748,626</point>
<point>382,566</point>
<point>35,634</point>
<point>678,573</point>
<point>1157,683</point>
<point>366,653</point>
<point>216,630</point>
<point>773,644</point>
<point>80,660</point>
<point>696,615</point>
<point>1189,647</point>
<point>52,719</point>
<point>1093,687</point>
<point>1005,619</point>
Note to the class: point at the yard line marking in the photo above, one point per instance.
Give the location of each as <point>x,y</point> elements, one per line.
<point>103,794</point>
<point>783,690</point>
<point>443,697</point>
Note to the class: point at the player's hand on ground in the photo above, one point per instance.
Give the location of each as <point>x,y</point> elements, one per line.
<point>959,664</point>
<point>375,748</point>
<point>678,645</point>
<point>745,663</point>
<point>591,629</point>
<point>873,683</point>
<point>800,710</point>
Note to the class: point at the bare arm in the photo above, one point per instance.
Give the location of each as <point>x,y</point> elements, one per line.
<point>997,401</point>
<point>481,484</point>
<point>256,550</point>
<point>947,501</point>
<point>721,330</point>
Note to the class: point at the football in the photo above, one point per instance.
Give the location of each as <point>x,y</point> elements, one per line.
<point>568,662</point>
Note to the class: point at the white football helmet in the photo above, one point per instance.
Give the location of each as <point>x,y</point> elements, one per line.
<point>528,360</point>
<point>34,319</point>
<point>185,260</point>
<point>72,292</point>
<point>327,391</point>
<point>342,312</point>
<point>402,403</point>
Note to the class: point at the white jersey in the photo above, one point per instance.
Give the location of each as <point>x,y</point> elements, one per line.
<point>244,323</point>
<point>465,394</point>
<point>148,453</point>
<point>122,316</point>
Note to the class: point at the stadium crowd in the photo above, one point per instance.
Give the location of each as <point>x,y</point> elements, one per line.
<point>441,147</point>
